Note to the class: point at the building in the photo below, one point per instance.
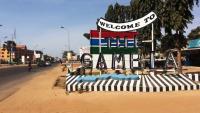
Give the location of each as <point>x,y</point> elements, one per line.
<point>4,55</point>
<point>30,55</point>
<point>38,55</point>
<point>192,53</point>
<point>20,54</point>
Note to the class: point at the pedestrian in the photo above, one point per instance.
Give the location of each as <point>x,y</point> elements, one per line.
<point>29,66</point>
<point>60,61</point>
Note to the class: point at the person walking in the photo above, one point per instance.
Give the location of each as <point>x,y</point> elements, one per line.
<point>60,61</point>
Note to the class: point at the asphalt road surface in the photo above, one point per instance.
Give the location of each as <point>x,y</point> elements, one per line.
<point>13,78</point>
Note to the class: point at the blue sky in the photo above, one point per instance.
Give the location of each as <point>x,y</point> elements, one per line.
<point>38,22</point>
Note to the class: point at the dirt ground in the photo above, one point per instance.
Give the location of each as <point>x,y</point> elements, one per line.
<point>40,96</point>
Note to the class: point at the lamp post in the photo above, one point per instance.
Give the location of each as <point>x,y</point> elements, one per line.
<point>0,48</point>
<point>68,37</point>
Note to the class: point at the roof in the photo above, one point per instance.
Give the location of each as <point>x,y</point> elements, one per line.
<point>194,43</point>
<point>21,46</point>
<point>191,49</point>
<point>30,51</point>
<point>38,52</point>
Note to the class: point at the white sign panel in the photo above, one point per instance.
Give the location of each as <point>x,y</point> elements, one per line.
<point>128,26</point>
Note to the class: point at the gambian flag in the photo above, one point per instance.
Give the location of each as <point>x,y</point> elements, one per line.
<point>113,42</point>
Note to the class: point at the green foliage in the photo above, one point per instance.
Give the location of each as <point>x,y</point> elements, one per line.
<point>48,58</point>
<point>118,13</point>
<point>173,17</point>
<point>64,54</point>
<point>194,34</point>
<point>173,41</point>
<point>9,44</point>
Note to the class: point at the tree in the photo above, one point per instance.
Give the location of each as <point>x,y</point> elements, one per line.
<point>176,15</point>
<point>118,13</point>
<point>66,52</point>
<point>169,41</point>
<point>110,13</point>
<point>48,58</point>
<point>173,16</point>
<point>10,46</point>
<point>194,34</point>
<point>140,8</point>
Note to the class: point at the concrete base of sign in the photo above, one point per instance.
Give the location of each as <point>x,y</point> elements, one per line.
<point>146,83</point>
<point>194,76</point>
<point>152,73</point>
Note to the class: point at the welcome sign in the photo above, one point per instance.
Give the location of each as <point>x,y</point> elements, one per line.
<point>128,26</point>
<point>115,46</point>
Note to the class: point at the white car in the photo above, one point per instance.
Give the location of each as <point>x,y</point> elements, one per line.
<point>47,63</point>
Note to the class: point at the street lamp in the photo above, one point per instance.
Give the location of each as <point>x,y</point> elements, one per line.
<point>68,37</point>
<point>0,48</point>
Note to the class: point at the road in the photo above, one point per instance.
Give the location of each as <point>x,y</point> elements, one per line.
<point>13,78</point>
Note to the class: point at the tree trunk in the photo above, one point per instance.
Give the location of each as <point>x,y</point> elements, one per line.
<point>179,61</point>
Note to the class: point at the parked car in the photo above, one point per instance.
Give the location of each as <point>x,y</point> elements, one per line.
<point>43,63</point>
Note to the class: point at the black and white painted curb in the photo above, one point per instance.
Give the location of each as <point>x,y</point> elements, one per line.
<point>194,76</point>
<point>146,83</point>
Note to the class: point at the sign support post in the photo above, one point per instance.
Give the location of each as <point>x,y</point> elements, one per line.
<point>100,46</point>
<point>152,57</point>
<point>152,48</point>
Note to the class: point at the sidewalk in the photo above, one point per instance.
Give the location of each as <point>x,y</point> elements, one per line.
<point>5,66</point>
<point>39,96</point>
<point>2,66</point>
<point>35,96</point>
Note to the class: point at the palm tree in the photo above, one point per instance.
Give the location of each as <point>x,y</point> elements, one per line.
<point>10,46</point>
<point>177,14</point>
<point>110,13</point>
<point>173,15</point>
<point>140,8</point>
